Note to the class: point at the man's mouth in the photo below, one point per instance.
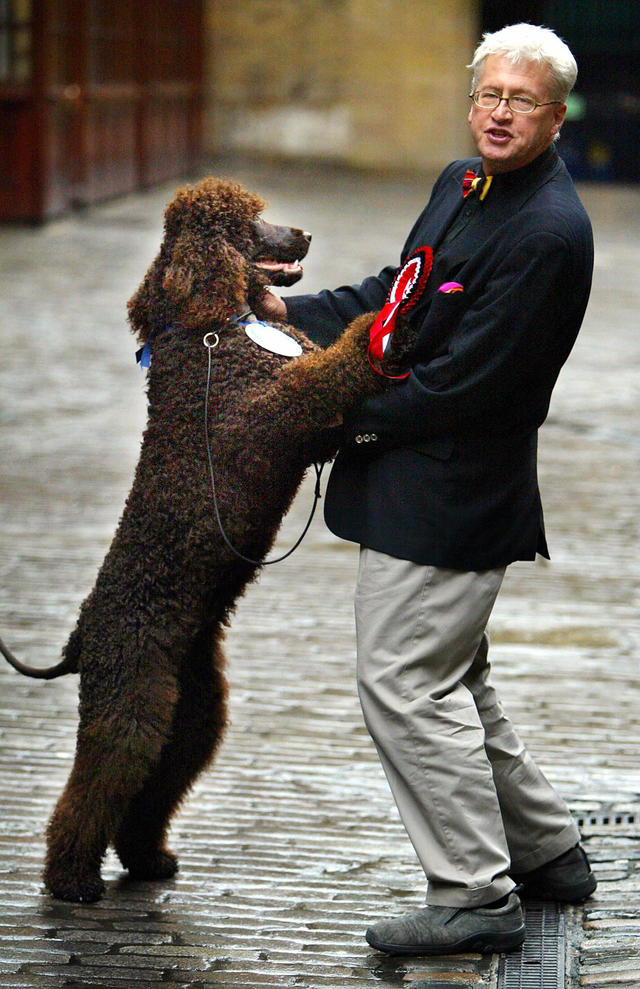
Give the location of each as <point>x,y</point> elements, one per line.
<point>498,135</point>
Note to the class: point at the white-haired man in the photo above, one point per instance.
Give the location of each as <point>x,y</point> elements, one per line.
<point>437,481</point>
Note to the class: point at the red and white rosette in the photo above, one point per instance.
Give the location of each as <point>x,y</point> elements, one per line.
<point>406,289</point>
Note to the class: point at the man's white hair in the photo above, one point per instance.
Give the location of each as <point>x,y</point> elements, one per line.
<point>529,43</point>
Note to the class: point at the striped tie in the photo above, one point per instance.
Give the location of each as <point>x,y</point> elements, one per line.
<point>471,181</point>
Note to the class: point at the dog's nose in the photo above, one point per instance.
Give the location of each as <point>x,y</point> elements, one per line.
<point>307,236</point>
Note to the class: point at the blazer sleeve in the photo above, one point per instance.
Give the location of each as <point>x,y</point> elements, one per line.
<point>324,316</point>
<point>498,358</point>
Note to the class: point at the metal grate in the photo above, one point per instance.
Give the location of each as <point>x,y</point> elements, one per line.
<point>540,963</point>
<point>609,817</point>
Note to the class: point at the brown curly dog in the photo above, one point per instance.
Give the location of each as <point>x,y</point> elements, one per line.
<point>148,641</point>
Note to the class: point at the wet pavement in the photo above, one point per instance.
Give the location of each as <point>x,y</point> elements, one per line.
<point>290,844</point>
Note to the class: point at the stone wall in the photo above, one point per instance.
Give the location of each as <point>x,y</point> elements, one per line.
<point>376,83</point>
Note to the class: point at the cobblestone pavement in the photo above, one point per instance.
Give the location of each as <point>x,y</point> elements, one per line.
<point>290,845</point>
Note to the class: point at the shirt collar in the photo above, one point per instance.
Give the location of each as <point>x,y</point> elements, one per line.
<point>535,169</point>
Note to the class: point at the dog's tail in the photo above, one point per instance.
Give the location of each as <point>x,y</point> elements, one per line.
<point>66,665</point>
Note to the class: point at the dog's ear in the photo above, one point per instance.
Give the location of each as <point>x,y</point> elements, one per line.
<point>204,280</point>
<point>179,275</point>
<point>146,313</point>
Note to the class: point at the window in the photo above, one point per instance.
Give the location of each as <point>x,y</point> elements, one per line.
<point>15,41</point>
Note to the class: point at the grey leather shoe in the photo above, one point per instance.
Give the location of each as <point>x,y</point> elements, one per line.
<point>451,930</point>
<point>566,879</point>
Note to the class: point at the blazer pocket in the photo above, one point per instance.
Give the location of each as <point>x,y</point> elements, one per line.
<point>439,449</point>
<point>441,319</point>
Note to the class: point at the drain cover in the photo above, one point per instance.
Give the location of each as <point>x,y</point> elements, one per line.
<point>540,962</point>
<point>608,816</point>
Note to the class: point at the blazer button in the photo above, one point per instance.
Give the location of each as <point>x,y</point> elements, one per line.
<point>358,438</point>
<point>373,437</point>
<point>366,437</point>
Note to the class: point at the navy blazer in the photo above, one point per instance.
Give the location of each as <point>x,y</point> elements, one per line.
<point>447,471</point>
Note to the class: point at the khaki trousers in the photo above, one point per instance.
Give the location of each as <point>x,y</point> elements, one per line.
<point>470,796</point>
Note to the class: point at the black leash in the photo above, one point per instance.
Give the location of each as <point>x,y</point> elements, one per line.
<point>211,341</point>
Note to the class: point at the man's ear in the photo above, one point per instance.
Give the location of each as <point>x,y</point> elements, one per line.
<point>559,114</point>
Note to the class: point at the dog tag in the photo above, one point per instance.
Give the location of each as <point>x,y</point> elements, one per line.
<point>271,338</point>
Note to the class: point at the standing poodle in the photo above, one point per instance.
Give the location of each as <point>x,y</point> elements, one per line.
<point>148,641</point>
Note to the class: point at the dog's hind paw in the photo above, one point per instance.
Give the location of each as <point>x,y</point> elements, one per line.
<point>157,864</point>
<point>75,889</point>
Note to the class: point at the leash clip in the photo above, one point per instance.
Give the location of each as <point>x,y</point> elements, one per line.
<point>206,341</point>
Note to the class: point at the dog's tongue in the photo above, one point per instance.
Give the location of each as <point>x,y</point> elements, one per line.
<point>282,274</point>
<point>288,267</point>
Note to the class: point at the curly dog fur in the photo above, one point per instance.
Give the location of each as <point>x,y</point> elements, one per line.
<point>148,641</point>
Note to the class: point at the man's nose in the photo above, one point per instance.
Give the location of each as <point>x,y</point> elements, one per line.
<point>500,110</point>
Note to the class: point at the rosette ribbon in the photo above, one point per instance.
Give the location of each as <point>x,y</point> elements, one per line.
<point>406,289</point>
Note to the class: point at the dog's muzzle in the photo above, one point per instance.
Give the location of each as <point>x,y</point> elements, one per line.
<point>279,251</point>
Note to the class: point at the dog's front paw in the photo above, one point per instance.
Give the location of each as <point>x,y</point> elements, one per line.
<point>402,341</point>
<point>65,885</point>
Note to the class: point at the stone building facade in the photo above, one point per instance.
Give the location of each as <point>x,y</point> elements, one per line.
<point>371,83</point>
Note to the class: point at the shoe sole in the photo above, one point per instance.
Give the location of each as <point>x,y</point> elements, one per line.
<point>489,943</point>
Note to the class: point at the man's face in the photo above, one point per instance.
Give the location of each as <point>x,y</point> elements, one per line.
<point>507,140</point>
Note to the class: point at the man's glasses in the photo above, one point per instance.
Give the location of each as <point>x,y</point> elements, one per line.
<point>486,99</point>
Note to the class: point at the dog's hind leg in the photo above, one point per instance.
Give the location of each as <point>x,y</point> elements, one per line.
<point>199,722</point>
<point>120,739</point>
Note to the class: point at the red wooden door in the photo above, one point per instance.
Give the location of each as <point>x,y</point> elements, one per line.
<point>18,156</point>
<point>97,98</point>
<point>61,96</point>
<point>169,72</point>
<point>112,95</point>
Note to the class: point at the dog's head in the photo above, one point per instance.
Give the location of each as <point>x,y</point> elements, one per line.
<point>216,259</point>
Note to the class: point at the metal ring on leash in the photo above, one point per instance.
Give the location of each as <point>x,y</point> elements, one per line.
<point>205,340</point>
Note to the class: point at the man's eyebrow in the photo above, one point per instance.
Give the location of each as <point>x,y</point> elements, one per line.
<point>518,91</point>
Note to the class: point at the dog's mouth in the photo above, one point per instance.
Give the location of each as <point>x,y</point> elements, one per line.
<point>282,273</point>
<point>278,252</point>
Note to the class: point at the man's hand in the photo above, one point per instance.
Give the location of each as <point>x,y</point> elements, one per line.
<point>272,307</point>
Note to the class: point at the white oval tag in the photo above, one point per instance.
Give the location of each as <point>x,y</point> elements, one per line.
<point>271,338</point>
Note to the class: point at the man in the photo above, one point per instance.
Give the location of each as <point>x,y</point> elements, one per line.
<point>437,481</point>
